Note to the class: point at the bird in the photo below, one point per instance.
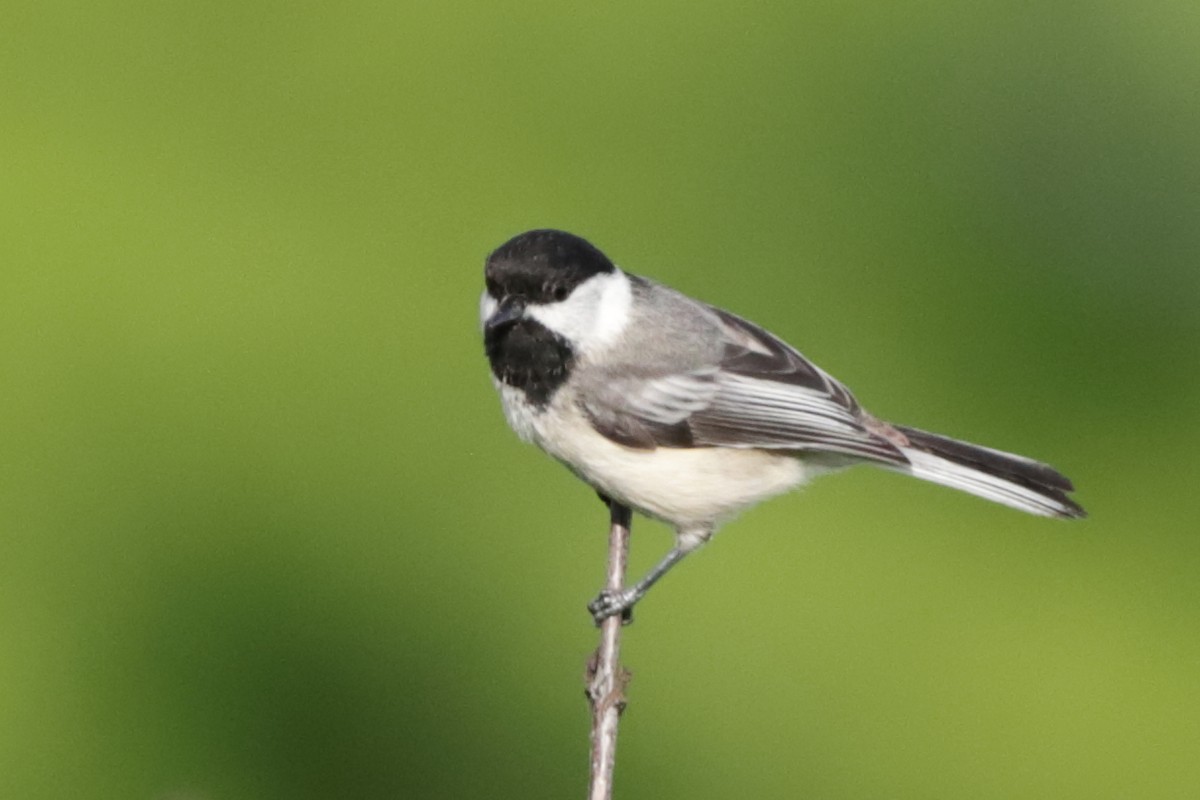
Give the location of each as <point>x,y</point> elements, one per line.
<point>688,413</point>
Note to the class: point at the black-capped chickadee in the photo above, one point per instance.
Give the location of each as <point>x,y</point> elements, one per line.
<point>688,413</point>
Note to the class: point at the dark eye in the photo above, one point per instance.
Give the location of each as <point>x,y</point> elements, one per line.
<point>560,293</point>
<point>492,288</point>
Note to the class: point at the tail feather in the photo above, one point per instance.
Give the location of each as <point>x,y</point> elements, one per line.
<point>1013,480</point>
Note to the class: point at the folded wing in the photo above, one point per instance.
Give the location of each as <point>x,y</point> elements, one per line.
<point>760,394</point>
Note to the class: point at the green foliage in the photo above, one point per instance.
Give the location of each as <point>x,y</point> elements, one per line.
<point>265,534</point>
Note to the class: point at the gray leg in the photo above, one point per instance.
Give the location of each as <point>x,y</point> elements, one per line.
<point>621,602</point>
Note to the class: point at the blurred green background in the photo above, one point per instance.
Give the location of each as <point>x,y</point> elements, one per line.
<point>266,535</point>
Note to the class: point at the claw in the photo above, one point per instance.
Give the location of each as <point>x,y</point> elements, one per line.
<point>610,602</point>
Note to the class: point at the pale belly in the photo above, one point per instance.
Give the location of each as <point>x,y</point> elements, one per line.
<point>686,487</point>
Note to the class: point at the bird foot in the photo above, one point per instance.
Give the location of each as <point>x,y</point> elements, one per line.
<point>611,602</point>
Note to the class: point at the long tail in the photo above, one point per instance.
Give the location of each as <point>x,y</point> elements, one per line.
<point>1013,480</point>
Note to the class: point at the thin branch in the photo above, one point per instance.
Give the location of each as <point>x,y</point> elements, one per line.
<point>606,678</point>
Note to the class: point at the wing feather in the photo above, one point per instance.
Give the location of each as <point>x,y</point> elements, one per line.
<point>761,394</point>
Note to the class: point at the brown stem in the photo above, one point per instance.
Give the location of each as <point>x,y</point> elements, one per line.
<point>606,678</point>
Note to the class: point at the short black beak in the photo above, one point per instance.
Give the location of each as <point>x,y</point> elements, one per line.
<point>510,310</point>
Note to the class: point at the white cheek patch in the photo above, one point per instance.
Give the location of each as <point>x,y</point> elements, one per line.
<point>487,307</point>
<point>615,301</point>
<point>594,315</point>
